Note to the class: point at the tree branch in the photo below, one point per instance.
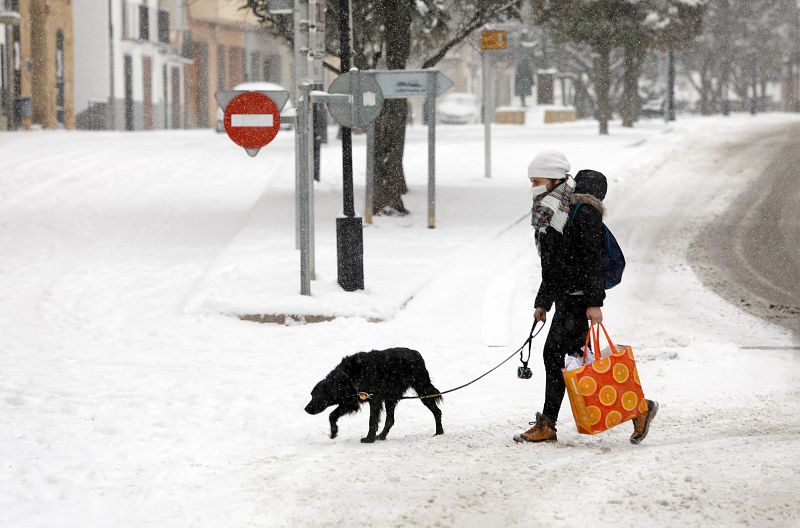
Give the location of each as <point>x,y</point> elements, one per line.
<point>478,19</point>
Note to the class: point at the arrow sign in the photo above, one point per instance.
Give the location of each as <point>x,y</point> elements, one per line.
<point>252,120</point>
<point>399,84</point>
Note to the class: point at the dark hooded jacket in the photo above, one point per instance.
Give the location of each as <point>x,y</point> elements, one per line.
<point>572,261</point>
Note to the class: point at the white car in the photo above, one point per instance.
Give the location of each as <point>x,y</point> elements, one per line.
<point>288,113</point>
<point>459,108</point>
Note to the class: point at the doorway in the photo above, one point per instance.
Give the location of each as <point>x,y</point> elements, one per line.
<point>147,80</point>
<point>60,79</point>
<point>128,92</point>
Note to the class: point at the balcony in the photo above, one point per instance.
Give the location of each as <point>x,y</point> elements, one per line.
<point>9,12</point>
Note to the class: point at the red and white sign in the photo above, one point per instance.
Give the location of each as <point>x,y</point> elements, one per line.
<point>252,120</point>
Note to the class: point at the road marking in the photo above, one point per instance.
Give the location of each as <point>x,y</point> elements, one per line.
<point>252,120</point>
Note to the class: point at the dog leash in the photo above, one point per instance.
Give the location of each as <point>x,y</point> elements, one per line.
<point>363,396</point>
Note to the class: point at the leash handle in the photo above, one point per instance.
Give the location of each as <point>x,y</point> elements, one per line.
<point>529,342</point>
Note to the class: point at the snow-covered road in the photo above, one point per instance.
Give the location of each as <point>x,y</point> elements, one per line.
<point>123,406</point>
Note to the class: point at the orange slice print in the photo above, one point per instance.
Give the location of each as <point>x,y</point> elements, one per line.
<point>593,415</point>
<point>643,406</point>
<point>629,400</point>
<point>587,386</point>
<point>608,395</point>
<point>636,376</point>
<point>621,373</point>
<point>602,365</point>
<point>613,418</point>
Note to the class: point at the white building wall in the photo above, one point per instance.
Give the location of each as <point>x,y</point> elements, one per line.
<point>91,52</point>
<point>93,63</point>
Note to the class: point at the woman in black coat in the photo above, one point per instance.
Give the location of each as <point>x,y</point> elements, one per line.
<point>567,216</point>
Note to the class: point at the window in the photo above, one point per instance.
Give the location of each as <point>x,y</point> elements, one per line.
<point>255,70</point>
<point>186,45</point>
<point>221,84</point>
<point>163,26</point>
<point>126,23</point>
<point>130,20</point>
<point>144,23</point>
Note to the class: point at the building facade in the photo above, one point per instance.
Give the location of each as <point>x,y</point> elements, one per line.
<point>229,46</point>
<point>132,58</point>
<point>36,61</point>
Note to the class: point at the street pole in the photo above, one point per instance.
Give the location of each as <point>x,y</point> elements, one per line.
<point>349,229</point>
<point>487,116</point>
<point>299,77</point>
<point>432,150</point>
<point>670,85</point>
<point>112,120</point>
<point>304,187</point>
<point>754,101</point>
<point>370,183</point>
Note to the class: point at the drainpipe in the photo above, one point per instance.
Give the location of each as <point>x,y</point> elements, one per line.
<point>112,105</point>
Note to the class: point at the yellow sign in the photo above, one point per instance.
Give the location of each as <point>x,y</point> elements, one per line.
<point>494,40</point>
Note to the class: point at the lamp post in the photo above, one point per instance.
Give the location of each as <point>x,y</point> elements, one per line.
<point>349,228</point>
<point>670,114</point>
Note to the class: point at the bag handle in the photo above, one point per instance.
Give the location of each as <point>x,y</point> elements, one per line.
<point>595,336</point>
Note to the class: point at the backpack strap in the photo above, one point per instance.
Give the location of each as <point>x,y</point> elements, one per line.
<point>575,211</point>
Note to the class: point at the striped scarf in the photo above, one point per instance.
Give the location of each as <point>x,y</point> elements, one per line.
<point>553,208</point>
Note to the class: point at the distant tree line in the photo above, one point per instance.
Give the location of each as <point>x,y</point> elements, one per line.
<point>618,34</point>
<point>744,46</point>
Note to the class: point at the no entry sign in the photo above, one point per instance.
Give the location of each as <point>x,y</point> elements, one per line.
<point>252,120</point>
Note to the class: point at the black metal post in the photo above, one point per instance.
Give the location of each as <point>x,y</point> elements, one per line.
<point>671,85</point>
<point>349,230</point>
<point>754,100</point>
<point>320,131</point>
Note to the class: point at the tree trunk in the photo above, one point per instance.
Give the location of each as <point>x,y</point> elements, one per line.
<point>630,93</point>
<point>723,88</point>
<point>584,104</point>
<point>390,128</point>
<point>603,86</point>
<point>390,182</point>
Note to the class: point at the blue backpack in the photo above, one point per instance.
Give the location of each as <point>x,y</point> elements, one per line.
<point>613,259</point>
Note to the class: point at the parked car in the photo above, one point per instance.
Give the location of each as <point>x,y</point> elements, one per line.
<point>288,113</point>
<point>459,108</point>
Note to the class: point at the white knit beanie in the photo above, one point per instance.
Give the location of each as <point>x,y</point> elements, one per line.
<point>550,164</point>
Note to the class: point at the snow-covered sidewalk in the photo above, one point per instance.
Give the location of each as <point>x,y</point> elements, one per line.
<point>126,401</point>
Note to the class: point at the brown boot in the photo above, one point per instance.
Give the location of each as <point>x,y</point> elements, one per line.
<point>641,424</point>
<point>543,430</point>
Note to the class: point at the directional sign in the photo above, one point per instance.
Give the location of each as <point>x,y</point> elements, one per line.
<point>494,40</point>
<point>252,120</point>
<point>400,84</point>
<point>281,7</point>
<point>366,100</point>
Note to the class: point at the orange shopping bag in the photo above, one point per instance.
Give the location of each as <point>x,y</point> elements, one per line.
<point>607,392</point>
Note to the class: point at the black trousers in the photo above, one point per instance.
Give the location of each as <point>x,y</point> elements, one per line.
<point>567,335</point>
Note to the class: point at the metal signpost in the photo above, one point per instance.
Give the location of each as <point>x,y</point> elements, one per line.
<point>349,229</point>
<point>355,100</point>
<point>363,104</point>
<point>490,40</point>
<point>402,84</point>
<point>300,39</point>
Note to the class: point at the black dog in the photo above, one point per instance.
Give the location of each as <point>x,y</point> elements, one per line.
<point>383,375</point>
